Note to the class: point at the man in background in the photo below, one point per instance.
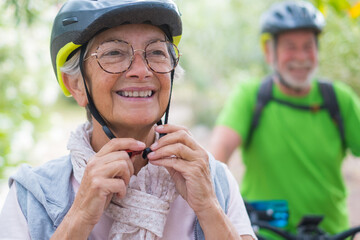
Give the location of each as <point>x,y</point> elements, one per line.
<point>293,130</point>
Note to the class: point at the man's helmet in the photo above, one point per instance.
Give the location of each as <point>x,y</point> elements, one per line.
<point>78,21</point>
<point>291,15</point>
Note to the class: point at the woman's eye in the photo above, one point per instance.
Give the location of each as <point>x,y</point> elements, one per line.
<point>114,53</point>
<point>157,53</point>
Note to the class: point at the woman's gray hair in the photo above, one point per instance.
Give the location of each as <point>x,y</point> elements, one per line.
<point>72,68</point>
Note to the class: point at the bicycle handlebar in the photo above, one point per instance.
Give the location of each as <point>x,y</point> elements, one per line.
<point>347,233</point>
<point>304,236</point>
<point>307,229</point>
<point>275,230</point>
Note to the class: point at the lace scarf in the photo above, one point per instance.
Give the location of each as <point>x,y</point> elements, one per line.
<point>141,214</point>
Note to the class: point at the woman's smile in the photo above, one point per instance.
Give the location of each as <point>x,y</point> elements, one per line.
<point>143,93</point>
<point>136,94</point>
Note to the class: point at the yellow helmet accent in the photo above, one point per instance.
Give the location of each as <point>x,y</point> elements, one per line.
<point>264,38</point>
<point>176,40</point>
<point>61,58</point>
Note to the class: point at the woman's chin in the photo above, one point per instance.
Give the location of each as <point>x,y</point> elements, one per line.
<point>138,122</point>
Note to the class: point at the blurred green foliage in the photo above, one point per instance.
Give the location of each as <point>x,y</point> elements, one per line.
<point>220,47</point>
<point>24,73</point>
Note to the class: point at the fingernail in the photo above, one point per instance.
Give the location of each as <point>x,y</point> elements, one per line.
<point>151,154</point>
<point>153,146</point>
<point>140,144</point>
<point>159,127</point>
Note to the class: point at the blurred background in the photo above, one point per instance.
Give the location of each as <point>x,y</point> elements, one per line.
<point>220,47</point>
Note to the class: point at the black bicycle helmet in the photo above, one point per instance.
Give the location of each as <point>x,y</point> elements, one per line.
<point>291,15</point>
<point>78,21</point>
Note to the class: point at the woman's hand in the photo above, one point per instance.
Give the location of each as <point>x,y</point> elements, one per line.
<point>108,172</point>
<point>187,163</point>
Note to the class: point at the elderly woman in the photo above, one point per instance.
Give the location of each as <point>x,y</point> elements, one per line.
<point>127,175</point>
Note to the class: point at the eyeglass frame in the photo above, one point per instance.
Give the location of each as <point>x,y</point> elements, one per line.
<point>95,54</point>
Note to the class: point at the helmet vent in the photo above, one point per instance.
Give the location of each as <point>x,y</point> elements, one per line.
<point>304,11</point>
<point>290,10</point>
<point>70,20</point>
<point>147,22</point>
<point>279,15</point>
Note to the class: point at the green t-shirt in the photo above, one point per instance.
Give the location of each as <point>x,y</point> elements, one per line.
<point>294,154</point>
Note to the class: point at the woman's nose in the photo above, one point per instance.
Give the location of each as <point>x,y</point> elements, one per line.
<point>139,67</point>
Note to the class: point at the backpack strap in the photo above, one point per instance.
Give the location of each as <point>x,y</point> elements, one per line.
<point>312,108</point>
<point>264,96</point>
<point>331,104</point>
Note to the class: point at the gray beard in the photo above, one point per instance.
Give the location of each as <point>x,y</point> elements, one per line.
<point>294,83</point>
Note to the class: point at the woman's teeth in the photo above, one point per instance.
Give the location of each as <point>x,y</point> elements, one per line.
<point>141,94</point>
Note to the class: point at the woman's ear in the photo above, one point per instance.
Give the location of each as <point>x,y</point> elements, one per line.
<point>76,87</point>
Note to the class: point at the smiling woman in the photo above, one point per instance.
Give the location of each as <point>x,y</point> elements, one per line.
<point>121,66</point>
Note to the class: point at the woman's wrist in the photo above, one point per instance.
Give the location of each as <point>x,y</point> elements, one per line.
<point>73,226</point>
<point>215,224</point>
<point>211,209</point>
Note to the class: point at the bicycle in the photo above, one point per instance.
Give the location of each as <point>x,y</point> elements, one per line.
<point>307,229</point>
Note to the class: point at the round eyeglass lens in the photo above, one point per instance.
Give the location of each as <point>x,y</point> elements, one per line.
<point>162,56</point>
<point>114,56</point>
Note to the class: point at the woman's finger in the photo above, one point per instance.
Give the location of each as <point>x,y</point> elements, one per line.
<point>192,180</point>
<point>116,186</point>
<point>115,164</point>
<point>118,144</point>
<point>180,136</point>
<point>116,157</point>
<point>187,169</point>
<point>178,150</point>
<point>109,186</point>
<point>169,128</point>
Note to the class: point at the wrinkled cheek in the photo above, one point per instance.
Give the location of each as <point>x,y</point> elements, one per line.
<point>165,101</point>
<point>165,92</point>
<point>103,100</point>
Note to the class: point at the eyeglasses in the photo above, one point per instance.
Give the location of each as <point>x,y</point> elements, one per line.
<point>116,56</point>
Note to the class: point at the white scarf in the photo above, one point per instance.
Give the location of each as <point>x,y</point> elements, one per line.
<point>141,214</point>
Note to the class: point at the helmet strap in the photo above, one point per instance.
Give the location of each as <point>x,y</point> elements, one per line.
<point>91,105</point>
<point>148,150</point>
<point>168,107</point>
<point>166,118</point>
